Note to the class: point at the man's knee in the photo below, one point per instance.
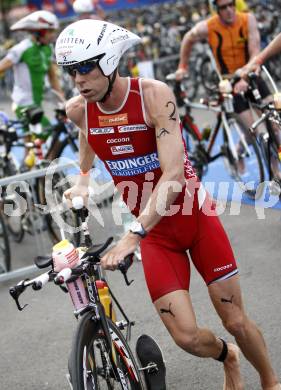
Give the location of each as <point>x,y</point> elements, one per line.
<point>236,324</point>
<point>187,340</point>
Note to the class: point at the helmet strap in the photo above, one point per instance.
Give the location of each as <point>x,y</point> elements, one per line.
<point>111,78</point>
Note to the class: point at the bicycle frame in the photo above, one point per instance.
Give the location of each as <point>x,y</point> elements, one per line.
<point>270,115</point>
<point>224,113</point>
<point>89,270</point>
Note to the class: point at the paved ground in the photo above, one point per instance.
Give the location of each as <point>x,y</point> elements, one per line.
<point>35,343</point>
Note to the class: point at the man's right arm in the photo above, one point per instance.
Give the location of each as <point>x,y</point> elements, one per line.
<point>5,64</point>
<point>75,110</point>
<point>196,34</point>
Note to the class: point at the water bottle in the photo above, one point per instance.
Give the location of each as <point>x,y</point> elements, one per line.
<point>78,293</point>
<point>65,255</point>
<point>206,131</point>
<point>30,159</point>
<point>105,299</point>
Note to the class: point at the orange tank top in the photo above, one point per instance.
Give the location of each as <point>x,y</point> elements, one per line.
<point>229,43</point>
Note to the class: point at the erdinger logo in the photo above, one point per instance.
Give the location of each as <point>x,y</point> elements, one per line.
<point>134,166</point>
<point>113,120</point>
<point>222,268</point>
<point>131,128</point>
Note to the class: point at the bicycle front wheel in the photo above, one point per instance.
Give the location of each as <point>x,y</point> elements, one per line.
<point>91,365</point>
<point>248,169</point>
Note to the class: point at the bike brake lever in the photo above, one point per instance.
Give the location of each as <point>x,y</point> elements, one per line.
<point>123,266</point>
<point>16,291</point>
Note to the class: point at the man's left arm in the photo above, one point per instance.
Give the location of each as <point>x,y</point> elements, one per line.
<point>54,81</point>
<point>163,115</point>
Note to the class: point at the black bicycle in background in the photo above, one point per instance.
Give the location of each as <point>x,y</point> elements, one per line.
<point>32,220</point>
<point>236,143</point>
<point>100,356</point>
<point>269,139</point>
<point>5,252</point>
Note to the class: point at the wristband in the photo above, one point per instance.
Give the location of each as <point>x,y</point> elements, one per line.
<point>84,173</point>
<point>182,66</point>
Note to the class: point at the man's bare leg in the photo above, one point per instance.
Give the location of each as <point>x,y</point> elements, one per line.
<point>232,369</point>
<point>226,297</point>
<point>176,311</point>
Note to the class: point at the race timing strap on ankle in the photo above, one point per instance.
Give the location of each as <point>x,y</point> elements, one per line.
<point>224,352</point>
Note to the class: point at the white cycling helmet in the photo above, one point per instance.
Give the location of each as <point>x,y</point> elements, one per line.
<point>90,39</point>
<point>36,21</point>
<point>83,6</point>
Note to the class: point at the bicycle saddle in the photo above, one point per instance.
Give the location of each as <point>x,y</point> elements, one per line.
<point>43,261</point>
<point>96,250</point>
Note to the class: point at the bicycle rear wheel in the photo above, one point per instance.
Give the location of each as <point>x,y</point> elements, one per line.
<point>248,170</point>
<point>90,363</point>
<point>5,253</point>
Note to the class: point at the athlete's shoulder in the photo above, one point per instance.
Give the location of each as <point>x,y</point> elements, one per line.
<point>213,20</point>
<point>154,88</point>
<point>18,49</point>
<point>75,109</point>
<point>156,97</point>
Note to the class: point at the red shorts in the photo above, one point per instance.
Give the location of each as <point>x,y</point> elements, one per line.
<point>165,260</point>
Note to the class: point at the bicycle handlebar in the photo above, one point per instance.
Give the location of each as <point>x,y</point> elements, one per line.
<point>90,257</point>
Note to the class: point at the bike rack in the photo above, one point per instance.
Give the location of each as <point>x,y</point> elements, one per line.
<point>40,241</point>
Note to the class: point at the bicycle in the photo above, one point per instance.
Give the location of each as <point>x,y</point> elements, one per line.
<point>235,145</point>
<point>5,252</point>
<point>100,356</point>
<point>9,166</point>
<point>268,141</point>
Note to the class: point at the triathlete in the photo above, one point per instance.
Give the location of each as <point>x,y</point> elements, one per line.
<point>133,126</point>
<point>32,60</point>
<point>234,39</point>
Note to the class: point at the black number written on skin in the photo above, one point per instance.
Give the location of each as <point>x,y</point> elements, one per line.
<point>172,116</point>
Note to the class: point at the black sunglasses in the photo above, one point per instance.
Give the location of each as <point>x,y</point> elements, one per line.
<point>82,68</point>
<point>225,6</point>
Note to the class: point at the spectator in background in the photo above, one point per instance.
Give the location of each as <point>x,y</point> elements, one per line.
<point>87,10</point>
